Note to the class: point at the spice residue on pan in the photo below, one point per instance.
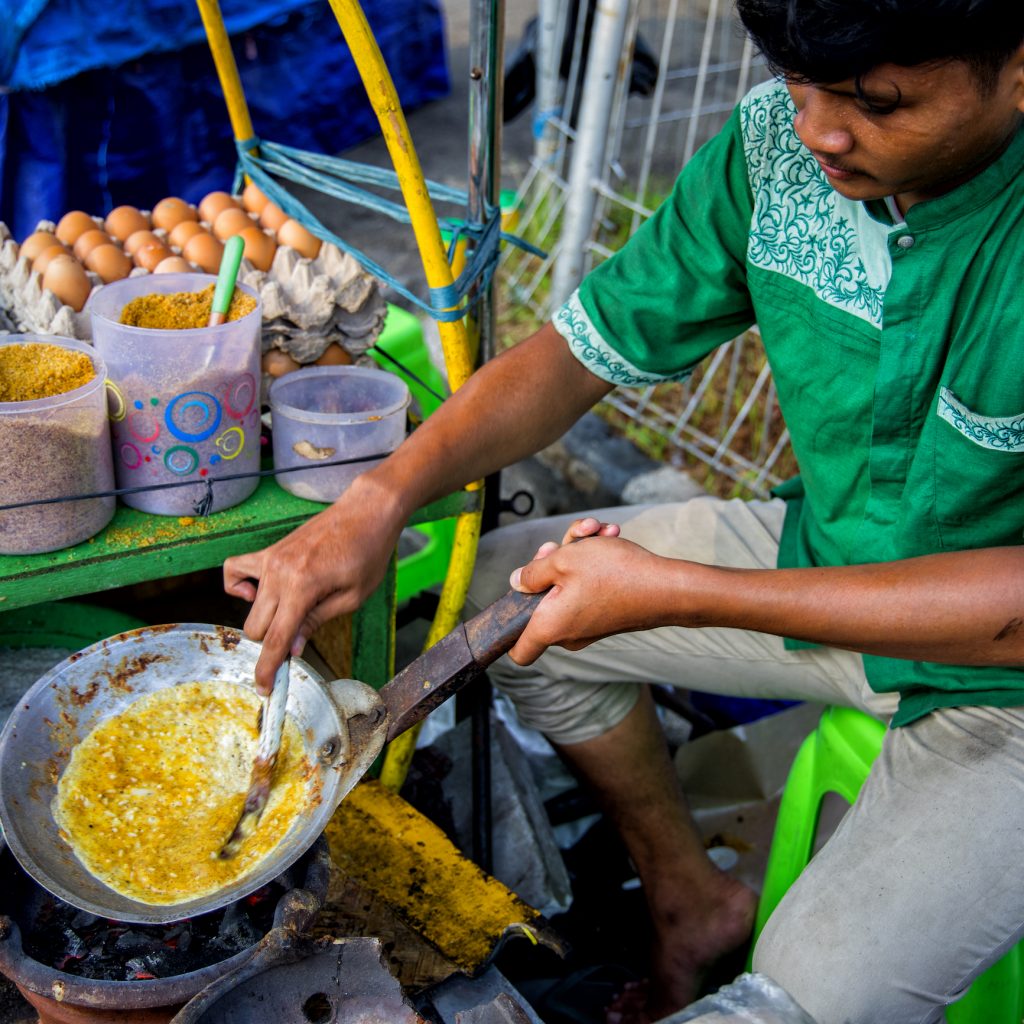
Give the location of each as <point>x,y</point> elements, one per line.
<point>129,667</point>
<point>151,794</point>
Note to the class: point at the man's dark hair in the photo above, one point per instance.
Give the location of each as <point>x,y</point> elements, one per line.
<point>836,40</point>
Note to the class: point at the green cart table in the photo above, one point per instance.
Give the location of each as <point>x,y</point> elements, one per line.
<point>137,547</point>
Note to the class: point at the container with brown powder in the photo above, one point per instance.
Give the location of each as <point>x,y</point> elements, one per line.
<point>184,398</point>
<point>54,443</point>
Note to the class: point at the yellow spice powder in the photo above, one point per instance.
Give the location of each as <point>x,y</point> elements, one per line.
<point>37,370</point>
<point>181,311</point>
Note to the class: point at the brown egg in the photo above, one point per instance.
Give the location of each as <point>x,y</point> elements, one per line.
<point>36,243</point>
<point>205,251</point>
<point>253,199</point>
<point>150,256</point>
<point>213,204</point>
<point>88,240</point>
<point>334,355</point>
<point>170,212</point>
<point>259,247</point>
<point>231,221</point>
<point>110,262</point>
<point>72,225</point>
<point>47,256</point>
<point>292,233</point>
<point>173,265</point>
<point>137,239</point>
<point>124,221</point>
<point>278,363</point>
<point>68,281</point>
<point>183,232</point>
<point>272,216</point>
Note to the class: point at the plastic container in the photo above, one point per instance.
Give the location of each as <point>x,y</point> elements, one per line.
<point>327,413</point>
<point>49,448</point>
<point>184,405</point>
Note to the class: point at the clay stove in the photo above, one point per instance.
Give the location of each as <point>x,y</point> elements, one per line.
<point>75,967</point>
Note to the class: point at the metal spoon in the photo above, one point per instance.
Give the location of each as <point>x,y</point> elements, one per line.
<point>271,725</point>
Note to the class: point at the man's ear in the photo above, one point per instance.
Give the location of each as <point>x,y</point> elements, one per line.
<point>1016,64</point>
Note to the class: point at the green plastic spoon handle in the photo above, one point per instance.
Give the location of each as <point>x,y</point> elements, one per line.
<point>228,273</point>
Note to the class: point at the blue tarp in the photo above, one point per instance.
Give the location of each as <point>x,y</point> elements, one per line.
<point>132,110</point>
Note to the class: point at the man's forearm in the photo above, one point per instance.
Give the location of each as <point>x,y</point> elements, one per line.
<point>511,408</point>
<point>963,607</point>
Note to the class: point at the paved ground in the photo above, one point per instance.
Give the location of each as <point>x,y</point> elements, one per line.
<point>440,134</point>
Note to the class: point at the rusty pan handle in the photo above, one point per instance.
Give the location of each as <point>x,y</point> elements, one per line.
<point>496,629</point>
<point>454,660</point>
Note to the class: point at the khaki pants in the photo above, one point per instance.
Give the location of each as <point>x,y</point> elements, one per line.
<point>922,885</point>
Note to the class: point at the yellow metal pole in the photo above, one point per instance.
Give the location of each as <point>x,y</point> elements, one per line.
<point>227,69</point>
<point>384,100</point>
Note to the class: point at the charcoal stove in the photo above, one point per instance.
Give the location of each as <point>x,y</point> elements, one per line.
<point>75,967</point>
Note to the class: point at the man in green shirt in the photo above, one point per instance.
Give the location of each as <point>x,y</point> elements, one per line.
<point>866,215</point>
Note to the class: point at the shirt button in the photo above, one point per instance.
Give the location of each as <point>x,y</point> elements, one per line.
<point>905,241</point>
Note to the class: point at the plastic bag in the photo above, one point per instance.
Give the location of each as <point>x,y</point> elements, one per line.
<point>750,999</point>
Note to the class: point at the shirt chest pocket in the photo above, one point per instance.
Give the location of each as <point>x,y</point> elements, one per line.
<point>979,475</point>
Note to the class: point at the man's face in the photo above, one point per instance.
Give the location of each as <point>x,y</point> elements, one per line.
<point>944,128</point>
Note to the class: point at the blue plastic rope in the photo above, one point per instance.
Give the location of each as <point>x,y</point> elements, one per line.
<point>340,178</point>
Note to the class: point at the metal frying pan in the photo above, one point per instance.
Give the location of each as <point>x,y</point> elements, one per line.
<point>343,723</point>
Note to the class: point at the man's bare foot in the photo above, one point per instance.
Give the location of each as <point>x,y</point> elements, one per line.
<point>689,940</point>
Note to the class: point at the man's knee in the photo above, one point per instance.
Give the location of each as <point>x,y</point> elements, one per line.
<point>835,974</point>
<point>552,702</point>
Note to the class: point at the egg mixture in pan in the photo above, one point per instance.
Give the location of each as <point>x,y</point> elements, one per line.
<point>151,794</point>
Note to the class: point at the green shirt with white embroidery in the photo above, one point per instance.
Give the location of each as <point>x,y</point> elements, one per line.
<point>895,349</point>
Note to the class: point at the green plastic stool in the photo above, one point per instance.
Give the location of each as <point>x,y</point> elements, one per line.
<point>402,337</point>
<point>836,758</point>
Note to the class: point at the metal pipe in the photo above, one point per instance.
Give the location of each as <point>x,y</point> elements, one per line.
<point>551,17</point>
<point>604,66</point>
<point>486,80</point>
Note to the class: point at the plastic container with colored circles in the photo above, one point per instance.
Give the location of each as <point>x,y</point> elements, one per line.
<point>328,413</point>
<point>55,447</point>
<point>184,404</point>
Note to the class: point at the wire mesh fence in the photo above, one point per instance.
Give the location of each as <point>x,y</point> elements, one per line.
<point>627,92</point>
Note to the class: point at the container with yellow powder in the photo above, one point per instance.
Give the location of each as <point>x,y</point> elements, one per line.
<point>54,443</point>
<point>184,397</point>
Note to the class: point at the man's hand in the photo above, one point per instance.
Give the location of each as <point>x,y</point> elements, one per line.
<point>600,585</point>
<point>512,407</point>
<point>327,567</point>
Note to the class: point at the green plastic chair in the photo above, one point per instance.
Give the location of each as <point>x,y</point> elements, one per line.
<point>402,338</point>
<point>836,758</point>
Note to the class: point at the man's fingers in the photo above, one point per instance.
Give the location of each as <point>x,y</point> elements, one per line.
<point>245,589</point>
<point>546,549</point>
<point>526,652</point>
<point>589,527</point>
<point>528,580</point>
<point>240,572</point>
<point>585,527</point>
<point>277,645</point>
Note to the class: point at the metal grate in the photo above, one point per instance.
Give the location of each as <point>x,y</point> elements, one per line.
<point>603,160</point>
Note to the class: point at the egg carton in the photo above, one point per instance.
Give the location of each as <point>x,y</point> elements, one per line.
<point>310,303</point>
<point>307,303</point>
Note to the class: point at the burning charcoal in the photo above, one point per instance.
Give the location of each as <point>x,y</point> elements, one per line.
<point>75,947</point>
<point>83,919</point>
<point>135,967</point>
<point>135,942</point>
<point>236,931</point>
